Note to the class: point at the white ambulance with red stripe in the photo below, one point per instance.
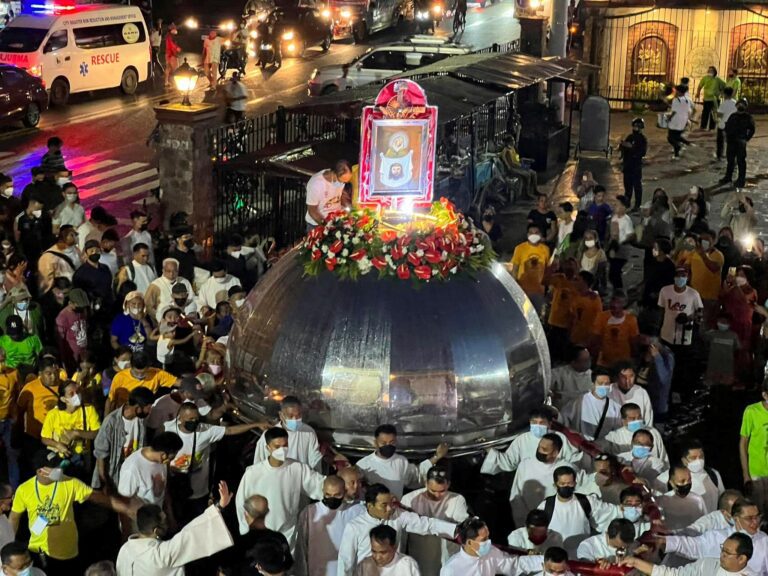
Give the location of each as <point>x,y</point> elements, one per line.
<point>79,48</point>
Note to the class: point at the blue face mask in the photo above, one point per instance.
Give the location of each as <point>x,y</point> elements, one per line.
<point>632,513</point>
<point>23,305</point>
<point>603,391</point>
<point>539,430</point>
<point>26,572</point>
<point>640,452</point>
<point>292,425</point>
<point>484,548</point>
<point>635,425</point>
<point>681,281</point>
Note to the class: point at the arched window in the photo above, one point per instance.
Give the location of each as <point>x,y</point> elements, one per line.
<point>650,58</point>
<point>752,57</point>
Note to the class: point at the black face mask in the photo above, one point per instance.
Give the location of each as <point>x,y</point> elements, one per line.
<point>191,425</point>
<point>541,457</point>
<point>142,415</point>
<point>387,451</point>
<point>683,489</point>
<point>143,227</point>
<point>724,241</point>
<point>94,258</point>
<point>332,503</point>
<point>565,492</point>
<point>180,301</point>
<point>189,243</point>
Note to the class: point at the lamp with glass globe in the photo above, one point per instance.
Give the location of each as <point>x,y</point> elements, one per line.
<point>185,77</point>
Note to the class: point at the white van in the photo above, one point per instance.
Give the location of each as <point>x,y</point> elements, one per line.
<point>80,48</point>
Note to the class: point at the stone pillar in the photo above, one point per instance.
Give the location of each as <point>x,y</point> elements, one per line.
<point>557,47</point>
<point>186,171</point>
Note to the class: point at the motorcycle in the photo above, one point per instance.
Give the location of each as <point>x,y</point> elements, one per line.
<point>429,20</point>
<point>231,59</point>
<point>268,55</point>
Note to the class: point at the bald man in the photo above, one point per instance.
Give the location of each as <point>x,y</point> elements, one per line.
<point>320,528</point>
<point>353,479</point>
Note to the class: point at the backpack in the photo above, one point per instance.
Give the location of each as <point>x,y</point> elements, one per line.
<point>549,505</point>
<point>712,476</point>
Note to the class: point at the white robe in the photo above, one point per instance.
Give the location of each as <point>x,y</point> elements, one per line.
<point>703,567</point>
<point>356,541</point>
<point>522,448</point>
<point>431,552</point>
<point>401,565</point>
<point>636,395</point>
<point>712,521</point>
<point>533,482</point>
<point>318,538</point>
<point>493,563</point>
<point>282,487</point>
<point>204,536</point>
<point>620,440</point>
<point>143,275</point>
<point>649,469</point>
<point>396,473</point>
<point>586,483</point>
<point>212,291</point>
<point>573,526</point>
<point>583,414</point>
<point>708,546</point>
<point>702,485</point>
<point>302,447</point>
<point>596,548</point>
<point>681,512</point>
<point>519,539</point>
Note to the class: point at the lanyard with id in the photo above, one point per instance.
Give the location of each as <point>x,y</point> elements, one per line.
<point>43,511</point>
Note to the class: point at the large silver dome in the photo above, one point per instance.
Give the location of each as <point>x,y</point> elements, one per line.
<point>461,361</point>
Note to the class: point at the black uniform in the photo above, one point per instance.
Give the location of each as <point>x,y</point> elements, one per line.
<point>633,166</point>
<point>739,130</point>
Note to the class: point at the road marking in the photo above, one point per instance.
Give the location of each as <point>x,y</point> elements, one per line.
<point>88,192</point>
<point>84,182</point>
<point>146,187</point>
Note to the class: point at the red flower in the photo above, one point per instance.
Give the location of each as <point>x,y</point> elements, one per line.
<point>423,272</point>
<point>422,245</point>
<point>379,263</point>
<point>413,259</point>
<point>330,263</point>
<point>397,252</point>
<point>432,256</point>
<point>403,241</point>
<point>403,272</point>
<point>358,254</point>
<point>336,247</point>
<point>316,254</point>
<point>388,236</point>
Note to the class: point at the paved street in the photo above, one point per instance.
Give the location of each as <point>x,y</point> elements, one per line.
<point>105,132</point>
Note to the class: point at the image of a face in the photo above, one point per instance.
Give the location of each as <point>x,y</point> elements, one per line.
<point>396,172</point>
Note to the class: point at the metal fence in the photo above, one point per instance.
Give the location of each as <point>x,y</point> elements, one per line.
<point>643,54</point>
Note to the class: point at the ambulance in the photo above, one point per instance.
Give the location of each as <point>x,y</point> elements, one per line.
<point>79,48</point>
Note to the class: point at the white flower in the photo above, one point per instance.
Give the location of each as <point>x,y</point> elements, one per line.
<point>392,265</point>
<point>480,247</point>
<point>385,248</point>
<point>388,258</point>
<point>342,260</point>
<point>405,250</point>
<point>444,256</point>
<point>434,271</point>
<point>338,234</point>
<point>356,240</point>
<point>325,231</point>
<point>345,252</point>
<point>419,253</point>
<point>324,248</point>
<point>346,238</point>
<point>364,265</point>
<point>454,269</point>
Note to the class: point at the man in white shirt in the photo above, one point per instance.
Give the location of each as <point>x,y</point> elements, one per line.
<point>138,270</point>
<point>435,500</point>
<point>524,446</point>
<point>393,470</point>
<point>746,521</point>
<point>681,507</point>
<point>707,481</point>
<point>139,235</point>
<point>631,508</point>
<point>381,509</point>
<point>605,481</point>
<point>624,390</point>
<point>532,481</point>
<point>641,459</point>
<point>595,413</point>
<point>302,439</point>
<point>148,554</point>
<point>573,515</point>
<point>320,529</point>
<point>724,111</point>
<point>385,560</point>
<point>158,295</point>
<point>191,466</point>
<point>572,380</point>
<point>733,560</point>
<point>478,556</point>
<point>679,114</point>
<point>620,440</point>
<point>144,474</point>
<point>236,96</point>
<point>16,560</point>
<point>325,190</point>
<point>282,482</point>
<point>616,541</point>
<point>215,288</point>
<point>535,535</point>
<point>720,519</point>
<point>60,260</point>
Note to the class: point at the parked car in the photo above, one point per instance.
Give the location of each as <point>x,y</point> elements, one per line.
<point>22,96</point>
<point>381,62</point>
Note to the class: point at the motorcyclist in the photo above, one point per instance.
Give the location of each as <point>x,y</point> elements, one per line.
<point>239,41</point>
<point>273,34</point>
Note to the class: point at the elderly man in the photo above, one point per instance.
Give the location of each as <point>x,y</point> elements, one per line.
<point>385,560</point>
<point>320,529</point>
<point>159,295</point>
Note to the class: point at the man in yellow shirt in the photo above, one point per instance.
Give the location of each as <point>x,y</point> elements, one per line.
<point>48,499</point>
<point>706,264</point>
<point>9,393</point>
<point>586,305</point>
<point>139,374</point>
<point>529,262</point>
<point>616,331</point>
<point>562,286</point>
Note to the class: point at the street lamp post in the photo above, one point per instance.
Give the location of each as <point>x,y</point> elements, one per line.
<point>185,77</point>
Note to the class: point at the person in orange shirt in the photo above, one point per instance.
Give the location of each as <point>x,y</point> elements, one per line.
<point>139,374</point>
<point>563,288</point>
<point>586,306</point>
<point>706,265</point>
<point>615,333</point>
<point>529,262</point>
<point>9,393</point>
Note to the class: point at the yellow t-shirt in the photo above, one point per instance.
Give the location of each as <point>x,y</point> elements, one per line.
<point>9,391</point>
<point>35,401</point>
<point>584,310</point>
<point>703,280</point>
<point>55,503</point>
<point>124,382</point>
<point>615,339</point>
<point>57,421</point>
<point>563,292</point>
<point>531,261</point>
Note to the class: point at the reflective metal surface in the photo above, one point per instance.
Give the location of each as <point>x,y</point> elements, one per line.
<point>461,361</point>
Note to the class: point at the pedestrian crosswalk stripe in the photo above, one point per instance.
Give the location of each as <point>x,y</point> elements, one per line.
<point>113,184</point>
<point>4,154</point>
<point>19,161</point>
<point>142,189</point>
<point>91,168</point>
<point>116,171</point>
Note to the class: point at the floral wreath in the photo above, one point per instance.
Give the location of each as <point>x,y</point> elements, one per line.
<point>440,245</point>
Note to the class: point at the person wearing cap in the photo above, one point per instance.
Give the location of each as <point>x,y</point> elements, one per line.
<point>19,302</point>
<point>95,278</point>
<point>10,205</point>
<point>159,295</point>
<point>139,270</point>
<point>60,260</point>
<point>181,300</point>
<point>131,328</point>
<point>184,252</point>
<point>633,150</point>
<point>139,373</point>
<point>92,229</point>
<point>20,346</point>
<point>214,290</point>
<point>48,499</point>
<point>434,500</point>
<point>166,407</point>
<point>72,328</point>
<point>739,129</point>
<point>33,230</point>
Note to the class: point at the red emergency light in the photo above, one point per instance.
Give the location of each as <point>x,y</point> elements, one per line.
<point>55,7</point>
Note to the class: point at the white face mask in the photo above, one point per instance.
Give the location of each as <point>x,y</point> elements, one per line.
<point>239,302</point>
<point>589,243</point>
<point>62,180</point>
<point>655,253</point>
<point>71,198</point>
<point>75,401</point>
<point>135,311</point>
<point>37,213</point>
<point>695,466</point>
<point>215,369</point>
<point>741,281</point>
<point>279,453</point>
<point>123,364</point>
<point>534,238</point>
<point>236,254</point>
<point>8,192</point>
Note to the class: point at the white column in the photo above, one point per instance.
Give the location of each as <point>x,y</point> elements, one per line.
<point>558,38</point>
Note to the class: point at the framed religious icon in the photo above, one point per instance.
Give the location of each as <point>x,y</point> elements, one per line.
<point>401,147</point>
